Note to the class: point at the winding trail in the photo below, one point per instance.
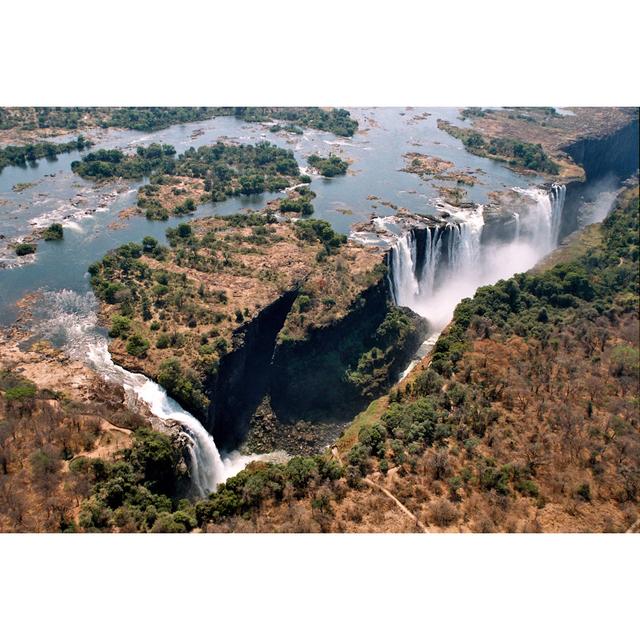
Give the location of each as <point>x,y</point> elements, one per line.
<point>387,493</point>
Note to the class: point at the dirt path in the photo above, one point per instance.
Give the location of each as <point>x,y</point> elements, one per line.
<point>635,527</point>
<point>387,493</point>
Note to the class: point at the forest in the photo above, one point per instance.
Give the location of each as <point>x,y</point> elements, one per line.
<point>337,121</point>
<point>21,155</point>
<point>216,172</point>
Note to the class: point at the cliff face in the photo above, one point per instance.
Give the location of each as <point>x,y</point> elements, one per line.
<point>609,158</point>
<point>327,376</point>
<point>244,374</point>
<point>615,153</point>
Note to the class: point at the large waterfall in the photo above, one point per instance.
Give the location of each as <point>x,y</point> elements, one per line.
<point>433,268</point>
<point>69,319</point>
<point>425,259</point>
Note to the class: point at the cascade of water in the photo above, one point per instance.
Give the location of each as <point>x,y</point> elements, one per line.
<point>557,195</point>
<point>516,217</point>
<point>403,270</point>
<point>69,319</point>
<point>433,251</point>
<point>461,252</point>
<point>543,220</point>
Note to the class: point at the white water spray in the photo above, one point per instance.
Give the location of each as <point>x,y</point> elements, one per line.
<point>434,283</point>
<point>541,221</point>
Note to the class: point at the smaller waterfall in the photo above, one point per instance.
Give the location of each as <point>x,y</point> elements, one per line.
<point>516,217</point>
<point>557,195</point>
<point>542,221</point>
<point>403,258</point>
<point>69,320</point>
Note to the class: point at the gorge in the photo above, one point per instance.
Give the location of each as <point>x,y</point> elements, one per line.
<point>270,337</point>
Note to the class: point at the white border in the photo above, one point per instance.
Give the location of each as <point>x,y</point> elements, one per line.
<point>335,52</point>
<point>314,586</point>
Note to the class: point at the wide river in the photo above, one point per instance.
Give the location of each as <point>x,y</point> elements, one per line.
<point>89,213</point>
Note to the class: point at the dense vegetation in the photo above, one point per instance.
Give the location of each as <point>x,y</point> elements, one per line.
<point>491,436</point>
<point>519,154</point>
<point>526,420</point>
<point>330,166</point>
<point>178,185</point>
<point>47,117</point>
<point>113,163</point>
<point>12,155</point>
<point>243,169</point>
<point>154,118</point>
<point>337,121</point>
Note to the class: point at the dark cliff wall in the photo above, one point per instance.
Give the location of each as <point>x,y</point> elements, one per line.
<point>609,160</point>
<point>306,379</point>
<point>309,380</point>
<point>615,154</point>
<point>243,374</point>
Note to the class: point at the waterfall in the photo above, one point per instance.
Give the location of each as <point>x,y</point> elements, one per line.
<point>557,195</point>
<point>542,221</point>
<point>516,217</point>
<point>403,270</point>
<point>69,319</point>
<point>451,251</point>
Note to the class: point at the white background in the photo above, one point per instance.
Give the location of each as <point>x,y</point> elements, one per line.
<point>337,53</point>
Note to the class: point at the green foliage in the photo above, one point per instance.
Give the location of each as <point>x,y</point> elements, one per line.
<point>120,326</point>
<point>183,384</point>
<point>154,118</point>
<point>25,248</point>
<point>53,232</point>
<point>320,231</point>
<point>135,492</point>
<point>12,155</point>
<point>20,392</point>
<point>330,166</point>
<point>337,121</point>
<point>113,163</point>
<point>137,346</point>
<point>516,152</point>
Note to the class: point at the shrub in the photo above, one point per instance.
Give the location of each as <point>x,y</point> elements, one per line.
<point>443,513</point>
<point>120,326</point>
<point>137,346</point>
<point>25,248</point>
<point>53,232</point>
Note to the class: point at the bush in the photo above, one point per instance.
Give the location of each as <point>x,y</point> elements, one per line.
<point>53,232</point>
<point>137,346</point>
<point>21,391</point>
<point>120,326</point>
<point>25,248</point>
<point>443,513</point>
<point>584,492</point>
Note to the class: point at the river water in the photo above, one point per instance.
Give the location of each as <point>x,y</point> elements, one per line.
<point>90,213</point>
